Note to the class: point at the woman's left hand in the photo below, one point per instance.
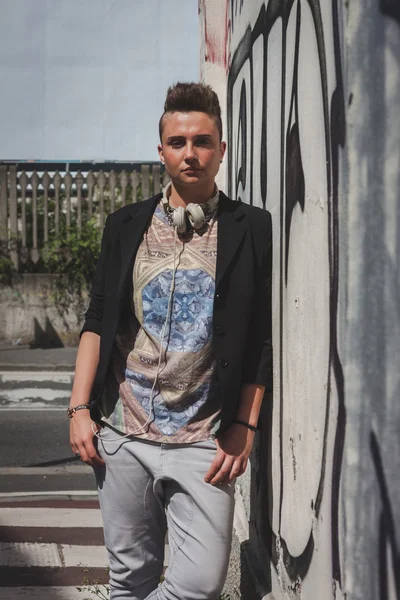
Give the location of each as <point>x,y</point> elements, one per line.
<point>233,450</point>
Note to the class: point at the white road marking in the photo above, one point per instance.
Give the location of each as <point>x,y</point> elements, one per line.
<point>62,493</point>
<point>25,554</point>
<point>30,554</point>
<point>25,394</point>
<point>22,376</point>
<point>29,408</point>
<point>50,517</point>
<point>85,556</point>
<point>74,468</point>
<point>35,390</point>
<point>45,593</point>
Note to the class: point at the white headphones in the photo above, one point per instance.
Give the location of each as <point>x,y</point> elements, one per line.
<point>194,216</point>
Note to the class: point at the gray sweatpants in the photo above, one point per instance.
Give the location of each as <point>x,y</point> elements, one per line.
<point>146,487</point>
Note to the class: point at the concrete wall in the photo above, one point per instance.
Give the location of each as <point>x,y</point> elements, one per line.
<point>28,314</point>
<point>312,120</point>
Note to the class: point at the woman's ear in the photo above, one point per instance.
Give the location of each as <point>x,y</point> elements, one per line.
<point>222,149</point>
<point>160,153</point>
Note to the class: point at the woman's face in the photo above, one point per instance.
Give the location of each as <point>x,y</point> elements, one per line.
<point>191,149</point>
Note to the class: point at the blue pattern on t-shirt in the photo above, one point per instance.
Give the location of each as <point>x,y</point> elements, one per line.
<point>169,419</point>
<point>192,309</point>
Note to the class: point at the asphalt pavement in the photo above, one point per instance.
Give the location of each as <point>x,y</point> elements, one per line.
<point>51,537</point>
<point>24,358</point>
<point>35,456</point>
<point>50,522</point>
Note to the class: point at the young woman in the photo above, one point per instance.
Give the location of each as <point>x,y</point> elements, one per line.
<point>174,358</point>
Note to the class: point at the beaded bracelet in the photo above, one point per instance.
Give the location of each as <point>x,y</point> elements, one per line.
<point>72,409</point>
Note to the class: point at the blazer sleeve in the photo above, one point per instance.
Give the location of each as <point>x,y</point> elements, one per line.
<point>94,314</point>
<point>257,367</point>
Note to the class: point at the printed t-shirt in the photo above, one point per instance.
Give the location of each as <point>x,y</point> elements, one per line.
<point>186,400</point>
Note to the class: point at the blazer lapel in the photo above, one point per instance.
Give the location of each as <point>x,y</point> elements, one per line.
<point>131,234</point>
<point>231,230</point>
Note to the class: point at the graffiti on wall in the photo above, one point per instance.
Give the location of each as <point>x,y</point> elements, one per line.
<point>285,120</point>
<point>286,133</point>
<point>391,8</point>
<point>216,38</point>
<point>388,551</point>
<point>235,10</point>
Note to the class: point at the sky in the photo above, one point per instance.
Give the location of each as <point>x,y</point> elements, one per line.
<point>86,79</point>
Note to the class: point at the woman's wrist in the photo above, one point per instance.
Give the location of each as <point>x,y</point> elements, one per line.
<point>244,423</point>
<point>74,409</point>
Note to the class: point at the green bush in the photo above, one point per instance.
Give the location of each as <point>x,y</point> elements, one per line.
<point>7,270</point>
<point>73,259</point>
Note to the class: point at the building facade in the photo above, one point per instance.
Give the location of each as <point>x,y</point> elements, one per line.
<point>311,97</point>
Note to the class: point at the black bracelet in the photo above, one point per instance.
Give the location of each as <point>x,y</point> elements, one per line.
<point>251,427</point>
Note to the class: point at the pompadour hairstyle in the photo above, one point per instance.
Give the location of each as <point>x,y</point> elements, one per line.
<point>190,97</point>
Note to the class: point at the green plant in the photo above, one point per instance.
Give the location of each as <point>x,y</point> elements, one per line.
<point>73,259</point>
<point>94,586</point>
<point>102,590</point>
<point>7,270</point>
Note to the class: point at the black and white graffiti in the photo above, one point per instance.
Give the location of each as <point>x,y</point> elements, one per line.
<point>391,8</point>
<point>388,550</point>
<point>286,126</point>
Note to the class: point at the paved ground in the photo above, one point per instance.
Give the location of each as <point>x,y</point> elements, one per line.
<point>46,546</point>
<point>49,547</point>
<point>23,358</point>
<point>50,523</point>
<point>51,535</point>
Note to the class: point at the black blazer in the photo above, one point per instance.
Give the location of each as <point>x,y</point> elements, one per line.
<point>242,303</point>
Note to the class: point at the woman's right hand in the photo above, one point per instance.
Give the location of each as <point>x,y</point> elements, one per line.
<point>81,438</point>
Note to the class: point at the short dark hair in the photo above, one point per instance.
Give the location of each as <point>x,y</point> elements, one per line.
<point>190,97</point>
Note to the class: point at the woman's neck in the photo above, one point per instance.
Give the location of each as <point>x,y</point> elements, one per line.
<point>183,196</point>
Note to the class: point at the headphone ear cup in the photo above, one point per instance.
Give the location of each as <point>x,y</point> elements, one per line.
<point>179,217</point>
<point>196,215</point>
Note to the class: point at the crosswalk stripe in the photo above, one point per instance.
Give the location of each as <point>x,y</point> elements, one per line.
<point>51,503</point>
<point>25,394</point>
<point>44,593</point>
<point>34,408</point>
<point>24,376</point>
<point>75,467</point>
<point>29,555</point>
<point>48,549</point>
<point>56,548</point>
<point>51,555</point>
<point>26,390</point>
<point>50,517</point>
<point>64,493</point>
<point>90,556</point>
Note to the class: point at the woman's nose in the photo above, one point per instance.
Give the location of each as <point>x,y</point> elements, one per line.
<point>189,152</point>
